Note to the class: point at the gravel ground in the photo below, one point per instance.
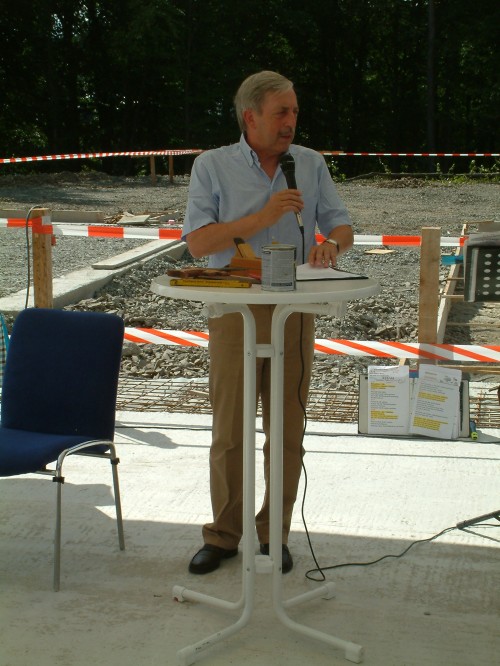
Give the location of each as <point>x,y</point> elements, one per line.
<point>401,206</point>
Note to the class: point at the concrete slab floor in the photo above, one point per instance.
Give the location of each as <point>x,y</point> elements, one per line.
<point>367,497</point>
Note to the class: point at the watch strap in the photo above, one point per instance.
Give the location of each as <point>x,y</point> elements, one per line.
<point>332,242</point>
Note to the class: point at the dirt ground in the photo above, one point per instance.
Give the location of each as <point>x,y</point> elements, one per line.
<point>383,206</point>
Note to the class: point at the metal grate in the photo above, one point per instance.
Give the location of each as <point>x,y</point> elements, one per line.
<point>485,409</point>
<point>163,395</point>
<point>190,396</point>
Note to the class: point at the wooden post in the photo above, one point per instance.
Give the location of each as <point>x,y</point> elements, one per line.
<point>171,168</point>
<point>152,168</point>
<point>448,294</point>
<point>41,234</point>
<point>430,258</point>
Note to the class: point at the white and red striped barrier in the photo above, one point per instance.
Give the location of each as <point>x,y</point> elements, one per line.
<point>80,156</point>
<point>342,153</point>
<point>418,350</point>
<point>93,230</point>
<point>196,151</point>
<point>392,349</point>
<point>172,233</point>
<point>158,337</point>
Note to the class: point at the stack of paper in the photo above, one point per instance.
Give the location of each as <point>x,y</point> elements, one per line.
<point>429,406</point>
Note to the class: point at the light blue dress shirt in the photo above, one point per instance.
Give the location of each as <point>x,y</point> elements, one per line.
<point>229,183</point>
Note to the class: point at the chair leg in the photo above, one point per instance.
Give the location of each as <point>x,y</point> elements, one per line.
<point>116,491</point>
<point>57,536</point>
<point>59,479</point>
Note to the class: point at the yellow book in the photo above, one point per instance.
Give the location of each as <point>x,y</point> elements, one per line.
<point>201,282</point>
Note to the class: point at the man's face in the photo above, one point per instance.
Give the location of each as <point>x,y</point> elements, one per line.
<point>270,131</point>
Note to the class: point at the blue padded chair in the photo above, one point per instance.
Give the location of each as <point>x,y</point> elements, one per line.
<point>59,398</point>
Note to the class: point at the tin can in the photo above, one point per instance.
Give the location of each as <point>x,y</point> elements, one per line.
<point>278,267</point>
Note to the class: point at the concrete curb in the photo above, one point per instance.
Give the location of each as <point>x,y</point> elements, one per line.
<point>85,282</point>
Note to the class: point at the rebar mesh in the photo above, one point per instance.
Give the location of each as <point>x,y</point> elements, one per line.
<point>191,396</point>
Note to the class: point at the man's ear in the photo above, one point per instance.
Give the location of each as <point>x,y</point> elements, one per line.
<point>249,117</point>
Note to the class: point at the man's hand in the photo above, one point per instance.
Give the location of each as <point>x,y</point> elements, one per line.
<point>284,201</point>
<point>327,253</point>
<point>324,255</point>
<point>217,237</point>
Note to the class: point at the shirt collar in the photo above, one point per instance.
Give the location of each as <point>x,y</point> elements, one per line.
<point>248,153</point>
<point>251,156</point>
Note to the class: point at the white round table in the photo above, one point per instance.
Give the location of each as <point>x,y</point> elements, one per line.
<point>327,297</point>
<point>312,291</point>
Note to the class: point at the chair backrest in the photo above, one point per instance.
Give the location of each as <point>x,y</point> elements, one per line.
<point>61,374</point>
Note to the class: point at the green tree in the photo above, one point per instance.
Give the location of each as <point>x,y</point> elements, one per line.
<point>109,75</point>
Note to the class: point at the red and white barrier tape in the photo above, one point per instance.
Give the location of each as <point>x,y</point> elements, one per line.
<point>438,352</point>
<point>196,151</point>
<point>392,349</point>
<point>79,156</point>
<point>158,337</point>
<point>171,233</point>
<point>342,153</point>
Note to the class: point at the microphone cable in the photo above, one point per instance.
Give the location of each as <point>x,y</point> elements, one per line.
<point>459,526</point>
<point>304,413</point>
<point>321,570</point>
<point>287,164</point>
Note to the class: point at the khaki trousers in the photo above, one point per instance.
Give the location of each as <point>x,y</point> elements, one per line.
<point>226,396</point>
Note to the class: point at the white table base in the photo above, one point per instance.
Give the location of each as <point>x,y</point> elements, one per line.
<point>252,563</point>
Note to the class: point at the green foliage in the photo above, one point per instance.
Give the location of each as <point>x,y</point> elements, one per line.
<point>486,171</point>
<point>493,170</point>
<point>102,75</point>
<point>334,169</point>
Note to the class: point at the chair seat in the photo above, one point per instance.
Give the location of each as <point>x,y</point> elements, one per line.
<point>24,452</point>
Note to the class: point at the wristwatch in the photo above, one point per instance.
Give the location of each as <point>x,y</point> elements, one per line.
<point>332,242</point>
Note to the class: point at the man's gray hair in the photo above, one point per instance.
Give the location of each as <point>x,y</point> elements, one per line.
<point>252,91</point>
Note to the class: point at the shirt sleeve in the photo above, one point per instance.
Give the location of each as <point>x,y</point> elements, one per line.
<point>203,199</point>
<point>331,211</point>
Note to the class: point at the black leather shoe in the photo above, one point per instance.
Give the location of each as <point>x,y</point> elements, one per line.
<point>286,556</point>
<point>209,557</point>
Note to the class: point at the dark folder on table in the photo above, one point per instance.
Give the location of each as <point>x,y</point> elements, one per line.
<point>306,272</point>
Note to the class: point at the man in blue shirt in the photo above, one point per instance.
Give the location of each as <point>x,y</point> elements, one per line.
<point>240,191</point>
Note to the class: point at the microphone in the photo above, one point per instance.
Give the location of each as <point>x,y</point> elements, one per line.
<point>287,164</point>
